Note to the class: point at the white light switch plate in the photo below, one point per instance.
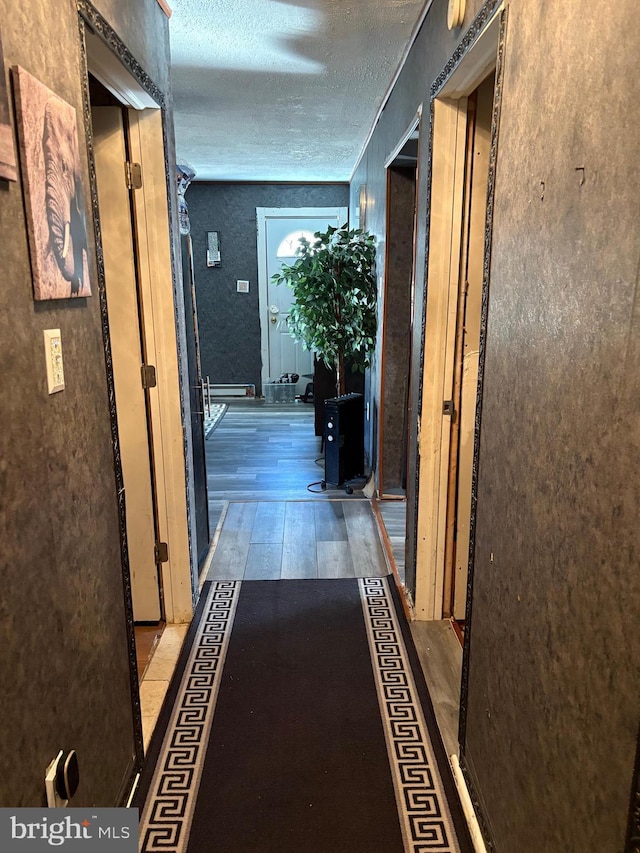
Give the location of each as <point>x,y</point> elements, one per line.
<point>53,358</point>
<point>242,286</point>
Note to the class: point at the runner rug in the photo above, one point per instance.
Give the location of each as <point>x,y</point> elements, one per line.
<point>214,413</point>
<point>298,722</point>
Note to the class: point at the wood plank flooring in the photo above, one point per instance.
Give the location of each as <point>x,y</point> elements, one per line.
<point>394,518</point>
<point>264,467</point>
<point>298,539</point>
<point>262,452</point>
<point>147,638</point>
<point>440,656</point>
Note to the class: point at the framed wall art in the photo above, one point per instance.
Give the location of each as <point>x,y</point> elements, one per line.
<point>8,165</point>
<point>53,192</point>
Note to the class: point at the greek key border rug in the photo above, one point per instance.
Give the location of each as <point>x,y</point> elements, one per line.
<point>213,415</point>
<point>297,722</point>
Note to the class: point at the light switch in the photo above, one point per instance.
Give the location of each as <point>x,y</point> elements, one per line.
<point>53,358</point>
<point>242,286</point>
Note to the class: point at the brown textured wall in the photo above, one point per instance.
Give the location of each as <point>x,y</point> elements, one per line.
<point>554,664</point>
<point>63,658</point>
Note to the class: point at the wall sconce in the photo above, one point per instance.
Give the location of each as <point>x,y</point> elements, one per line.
<point>362,201</point>
<point>213,248</point>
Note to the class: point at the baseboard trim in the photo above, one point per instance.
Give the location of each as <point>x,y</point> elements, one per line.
<point>129,783</point>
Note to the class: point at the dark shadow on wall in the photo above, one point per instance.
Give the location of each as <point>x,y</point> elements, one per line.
<point>229,322</point>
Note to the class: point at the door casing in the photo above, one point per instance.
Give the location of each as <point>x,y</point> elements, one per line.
<point>448,145</point>
<point>127,346</point>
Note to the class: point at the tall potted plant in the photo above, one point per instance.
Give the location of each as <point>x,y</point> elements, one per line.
<point>334,286</point>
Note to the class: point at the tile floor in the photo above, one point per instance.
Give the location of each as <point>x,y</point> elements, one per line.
<point>157,676</point>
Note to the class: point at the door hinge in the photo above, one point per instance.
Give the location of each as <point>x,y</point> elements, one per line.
<point>149,379</point>
<point>449,408</point>
<point>133,174</point>
<point>161,552</point>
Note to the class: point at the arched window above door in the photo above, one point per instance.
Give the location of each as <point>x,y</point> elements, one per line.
<point>290,244</point>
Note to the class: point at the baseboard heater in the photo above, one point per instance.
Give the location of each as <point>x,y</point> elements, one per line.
<point>242,390</point>
<point>343,438</point>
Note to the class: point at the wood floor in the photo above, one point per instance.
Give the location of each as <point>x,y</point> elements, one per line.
<point>264,471</point>
<point>147,638</point>
<point>262,451</point>
<point>277,540</point>
<point>394,519</point>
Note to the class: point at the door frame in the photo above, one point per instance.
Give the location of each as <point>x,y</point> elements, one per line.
<point>262,214</point>
<point>477,55</point>
<point>128,348</point>
<point>157,228</point>
<point>415,125</point>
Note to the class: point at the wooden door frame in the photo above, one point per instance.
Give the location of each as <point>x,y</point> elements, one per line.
<point>477,55</point>
<point>119,252</point>
<point>158,223</point>
<point>262,214</point>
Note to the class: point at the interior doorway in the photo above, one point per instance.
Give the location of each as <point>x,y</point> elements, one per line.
<point>397,316</point>
<point>142,328</point>
<point>467,348</point>
<point>110,123</point>
<point>464,133</point>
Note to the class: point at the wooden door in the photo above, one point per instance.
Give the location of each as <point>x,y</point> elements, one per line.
<point>196,399</point>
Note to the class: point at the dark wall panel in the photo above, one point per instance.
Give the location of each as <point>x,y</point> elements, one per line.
<point>63,659</point>
<point>397,328</point>
<point>229,322</point>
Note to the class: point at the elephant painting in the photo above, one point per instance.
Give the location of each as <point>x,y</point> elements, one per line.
<point>52,183</point>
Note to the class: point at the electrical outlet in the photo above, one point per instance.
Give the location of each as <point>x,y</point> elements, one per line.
<point>53,358</point>
<point>242,286</point>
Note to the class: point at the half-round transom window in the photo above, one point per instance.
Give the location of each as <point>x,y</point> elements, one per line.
<point>288,247</point>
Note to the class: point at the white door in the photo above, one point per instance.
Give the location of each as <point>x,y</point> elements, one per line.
<point>126,348</point>
<point>279,231</point>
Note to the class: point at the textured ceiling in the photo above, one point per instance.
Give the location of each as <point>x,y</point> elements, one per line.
<point>277,90</point>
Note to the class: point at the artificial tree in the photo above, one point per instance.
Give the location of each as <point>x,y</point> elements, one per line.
<point>334,286</point>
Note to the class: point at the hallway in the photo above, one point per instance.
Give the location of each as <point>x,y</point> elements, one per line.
<point>260,461</point>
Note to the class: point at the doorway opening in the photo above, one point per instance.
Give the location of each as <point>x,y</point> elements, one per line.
<point>467,351</point>
<point>112,144</point>
<point>397,316</point>
<point>465,116</point>
<point>130,178</point>
<point>464,131</point>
